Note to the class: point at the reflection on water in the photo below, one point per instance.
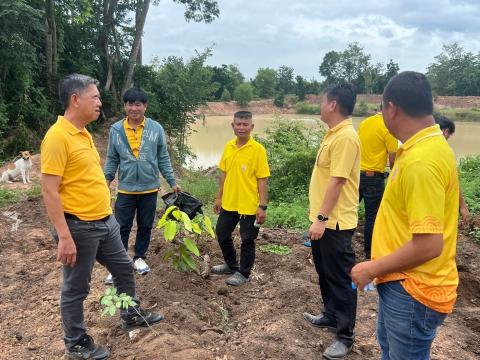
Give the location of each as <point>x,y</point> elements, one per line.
<point>209,137</point>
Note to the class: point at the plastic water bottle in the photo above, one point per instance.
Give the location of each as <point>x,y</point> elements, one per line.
<point>369,287</point>
<point>257,225</point>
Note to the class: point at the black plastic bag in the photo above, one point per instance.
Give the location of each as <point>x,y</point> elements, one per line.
<point>185,202</point>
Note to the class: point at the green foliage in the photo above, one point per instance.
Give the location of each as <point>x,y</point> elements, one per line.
<point>227,78</point>
<point>226,96</point>
<point>475,234</point>
<point>285,84</point>
<point>276,249</point>
<point>472,115</point>
<point>289,215</point>
<point>243,94</point>
<point>265,82</point>
<point>469,169</point>
<point>291,150</point>
<point>455,72</point>
<point>361,109</point>
<point>175,222</point>
<point>8,196</point>
<point>112,302</point>
<point>279,100</point>
<point>305,108</point>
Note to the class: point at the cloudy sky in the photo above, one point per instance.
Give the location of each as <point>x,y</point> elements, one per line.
<point>270,33</point>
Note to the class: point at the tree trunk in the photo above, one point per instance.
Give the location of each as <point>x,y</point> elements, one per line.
<point>51,44</point>
<point>137,19</point>
<point>136,45</point>
<point>108,28</point>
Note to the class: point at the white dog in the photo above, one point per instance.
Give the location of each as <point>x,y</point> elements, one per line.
<point>20,167</point>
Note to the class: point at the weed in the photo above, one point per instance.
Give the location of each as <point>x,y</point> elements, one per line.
<point>475,234</point>
<point>8,196</point>
<point>226,323</point>
<point>275,249</point>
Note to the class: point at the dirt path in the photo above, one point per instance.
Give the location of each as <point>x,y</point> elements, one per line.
<point>205,319</point>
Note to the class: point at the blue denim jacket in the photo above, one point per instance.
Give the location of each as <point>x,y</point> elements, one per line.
<point>140,174</point>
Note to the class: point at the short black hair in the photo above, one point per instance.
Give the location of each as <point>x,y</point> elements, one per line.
<point>242,114</point>
<point>345,96</point>
<point>444,123</point>
<point>133,95</point>
<point>71,84</point>
<point>411,92</point>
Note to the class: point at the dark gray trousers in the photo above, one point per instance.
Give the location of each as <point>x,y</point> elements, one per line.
<point>95,240</point>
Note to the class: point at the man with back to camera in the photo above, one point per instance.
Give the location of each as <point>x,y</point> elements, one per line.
<point>77,200</point>
<point>377,146</point>
<point>137,147</point>
<point>415,234</point>
<point>333,196</point>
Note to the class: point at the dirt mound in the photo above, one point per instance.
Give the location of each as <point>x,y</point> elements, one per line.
<point>230,107</point>
<point>205,319</point>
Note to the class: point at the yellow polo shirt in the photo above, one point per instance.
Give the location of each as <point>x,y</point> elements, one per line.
<point>376,142</point>
<point>421,197</point>
<point>71,154</point>
<point>338,156</point>
<point>134,137</point>
<point>243,166</point>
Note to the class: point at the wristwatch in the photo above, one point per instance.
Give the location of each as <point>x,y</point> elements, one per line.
<point>320,217</point>
<point>263,207</point>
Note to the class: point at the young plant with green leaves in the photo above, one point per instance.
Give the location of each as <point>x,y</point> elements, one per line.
<point>184,232</point>
<point>111,301</point>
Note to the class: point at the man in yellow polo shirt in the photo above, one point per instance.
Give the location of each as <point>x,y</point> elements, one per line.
<point>77,200</point>
<point>377,145</point>
<point>137,148</point>
<point>333,199</point>
<point>415,234</point>
<point>242,197</point>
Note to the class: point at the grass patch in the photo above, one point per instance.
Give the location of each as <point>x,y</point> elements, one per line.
<point>275,249</point>
<point>469,168</point>
<point>457,114</point>
<point>288,215</point>
<point>202,186</point>
<point>8,196</point>
<point>303,107</point>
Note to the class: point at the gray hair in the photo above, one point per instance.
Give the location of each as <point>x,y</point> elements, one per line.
<point>73,84</point>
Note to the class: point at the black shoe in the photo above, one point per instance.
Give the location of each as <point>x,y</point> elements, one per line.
<point>337,350</point>
<point>141,318</point>
<point>320,321</point>
<point>87,349</point>
<point>222,269</point>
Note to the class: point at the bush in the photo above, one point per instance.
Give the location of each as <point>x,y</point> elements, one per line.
<point>291,215</point>
<point>469,168</point>
<point>291,150</point>
<point>279,101</point>
<point>243,94</point>
<point>361,109</point>
<point>303,107</point>
<point>226,96</point>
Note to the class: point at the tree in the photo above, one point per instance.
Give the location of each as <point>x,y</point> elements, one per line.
<point>226,96</point>
<point>455,72</point>
<point>266,82</point>
<point>227,77</point>
<point>285,84</point>
<point>243,94</point>
<point>300,88</point>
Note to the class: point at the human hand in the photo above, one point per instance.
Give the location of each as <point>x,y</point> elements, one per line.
<point>176,189</point>
<point>217,206</point>
<point>67,251</point>
<point>261,216</point>
<point>465,216</point>
<point>316,230</point>
<point>361,274</point>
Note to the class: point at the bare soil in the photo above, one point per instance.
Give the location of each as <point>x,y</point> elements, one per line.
<point>205,319</point>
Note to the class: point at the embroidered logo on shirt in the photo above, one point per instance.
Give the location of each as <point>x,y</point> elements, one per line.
<point>244,167</point>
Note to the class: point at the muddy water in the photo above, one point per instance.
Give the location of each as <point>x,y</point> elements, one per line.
<point>210,136</point>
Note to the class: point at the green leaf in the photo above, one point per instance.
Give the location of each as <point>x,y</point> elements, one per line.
<point>186,221</point>
<point>170,230</point>
<point>176,262</point>
<point>118,304</point>
<point>168,254</point>
<point>208,226</point>
<point>190,245</point>
<point>105,311</point>
<point>108,291</point>
<point>196,228</point>
<point>112,310</point>
<point>187,258</point>
<point>176,214</point>
<point>161,223</point>
<point>163,220</point>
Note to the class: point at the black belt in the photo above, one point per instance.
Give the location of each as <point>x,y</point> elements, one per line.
<point>73,217</point>
<point>372,173</point>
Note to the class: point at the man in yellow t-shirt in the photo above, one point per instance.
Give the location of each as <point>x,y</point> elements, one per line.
<point>415,234</point>
<point>377,145</point>
<point>77,200</point>
<point>333,196</point>
<point>242,197</point>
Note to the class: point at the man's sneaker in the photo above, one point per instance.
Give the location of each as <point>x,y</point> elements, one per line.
<point>109,279</point>
<point>140,318</point>
<point>222,269</point>
<point>337,350</point>
<point>236,279</point>
<point>141,266</point>
<point>87,349</point>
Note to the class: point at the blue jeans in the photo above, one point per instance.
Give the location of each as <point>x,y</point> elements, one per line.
<point>371,191</point>
<point>405,327</point>
<point>144,205</point>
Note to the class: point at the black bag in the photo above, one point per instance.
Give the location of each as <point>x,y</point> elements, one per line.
<point>185,202</point>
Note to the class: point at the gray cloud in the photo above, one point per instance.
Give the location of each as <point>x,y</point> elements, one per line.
<point>271,33</point>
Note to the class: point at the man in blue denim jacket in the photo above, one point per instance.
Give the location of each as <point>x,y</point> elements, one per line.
<point>137,147</point>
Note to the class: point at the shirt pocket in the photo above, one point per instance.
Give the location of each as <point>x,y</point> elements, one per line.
<point>323,156</point>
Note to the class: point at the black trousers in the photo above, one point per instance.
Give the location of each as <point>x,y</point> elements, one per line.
<point>227,221</point>
<point>371,191</point>
<point>334,258</point>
